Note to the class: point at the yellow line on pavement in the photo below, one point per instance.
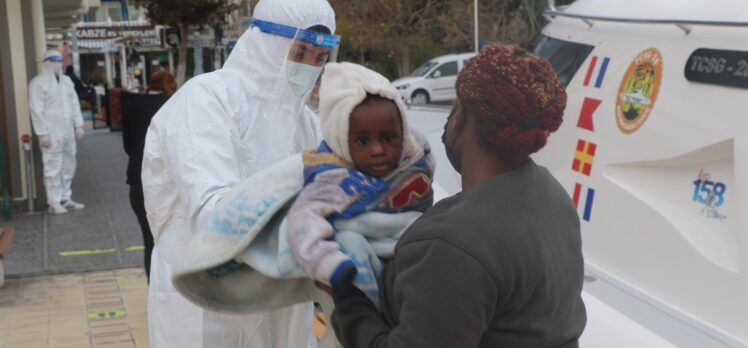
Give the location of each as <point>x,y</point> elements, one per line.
<point>87,252</point>
<point>107,314</point>
<point>99,251</point>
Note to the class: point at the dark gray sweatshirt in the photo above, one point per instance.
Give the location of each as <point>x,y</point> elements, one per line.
<point>499,265</point>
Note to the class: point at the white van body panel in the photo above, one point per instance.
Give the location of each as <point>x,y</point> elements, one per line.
<point>647,228</point>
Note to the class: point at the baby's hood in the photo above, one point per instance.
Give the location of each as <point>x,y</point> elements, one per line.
<point>344,86</point>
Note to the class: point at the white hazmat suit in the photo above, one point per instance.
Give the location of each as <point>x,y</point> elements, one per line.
<point>218,129</point>
<point>56,116</point>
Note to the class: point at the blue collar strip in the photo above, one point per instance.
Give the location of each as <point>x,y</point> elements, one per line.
<point>312,37</point>
<point>53,59</point>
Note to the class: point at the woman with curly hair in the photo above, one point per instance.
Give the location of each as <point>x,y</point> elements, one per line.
<point>500,263</point>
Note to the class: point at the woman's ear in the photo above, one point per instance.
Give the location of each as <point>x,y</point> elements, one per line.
<point>460,116</point>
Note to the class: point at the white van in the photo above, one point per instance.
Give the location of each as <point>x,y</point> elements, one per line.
<point>654,152</point>
<point>434,80</point>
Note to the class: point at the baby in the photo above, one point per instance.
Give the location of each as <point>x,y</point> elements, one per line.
<point>368,162</point>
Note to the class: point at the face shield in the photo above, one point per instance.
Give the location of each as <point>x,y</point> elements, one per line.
<point>307,54</point>
<point>286,63</point>
<point>53,63</point>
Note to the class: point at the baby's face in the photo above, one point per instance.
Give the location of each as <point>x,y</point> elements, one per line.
<point>375,138</point>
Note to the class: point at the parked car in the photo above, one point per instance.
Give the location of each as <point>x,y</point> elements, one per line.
<point>434,80</point>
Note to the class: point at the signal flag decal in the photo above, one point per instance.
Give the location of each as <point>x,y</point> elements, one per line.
<point>585,115</point>
<point>583,157</point>
<point>599,72</point>
<point>588,201</point>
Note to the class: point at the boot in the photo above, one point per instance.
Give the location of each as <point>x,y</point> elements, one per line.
<point>57,209</point>
<point>71,204</point>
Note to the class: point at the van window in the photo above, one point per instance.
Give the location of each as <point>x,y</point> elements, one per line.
<point>446,69</point>
<point>566,57</point>
<point>423,69</point>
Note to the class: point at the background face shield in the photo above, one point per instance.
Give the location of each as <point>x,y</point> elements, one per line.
<point>53,64</point>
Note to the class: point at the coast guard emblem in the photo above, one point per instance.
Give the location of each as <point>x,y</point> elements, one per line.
<point>638,91</point>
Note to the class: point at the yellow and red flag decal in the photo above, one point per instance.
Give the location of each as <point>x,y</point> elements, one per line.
<point>584,156</point>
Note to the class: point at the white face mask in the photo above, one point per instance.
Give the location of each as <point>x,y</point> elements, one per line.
<point>53,67</point>
<point>301,77</point>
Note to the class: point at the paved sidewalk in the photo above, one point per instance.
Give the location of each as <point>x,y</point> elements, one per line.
<point>48,299</point>
<point>101,309</point>
<point>103,236</point>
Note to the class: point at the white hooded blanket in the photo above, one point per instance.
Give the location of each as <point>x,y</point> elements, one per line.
<point>244,263</point>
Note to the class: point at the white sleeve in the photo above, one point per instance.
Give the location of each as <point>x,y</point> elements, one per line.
<point>201,153</point>
<point>36,106</point>
<point>308,230</point>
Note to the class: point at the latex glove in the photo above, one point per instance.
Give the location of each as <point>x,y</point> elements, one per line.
<point>45,141</point>
<point>79,133</point>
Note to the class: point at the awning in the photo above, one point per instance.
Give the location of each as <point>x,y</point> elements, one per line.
<point>60,15</point>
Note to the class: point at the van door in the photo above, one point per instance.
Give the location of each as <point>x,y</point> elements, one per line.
<point>442,81</point>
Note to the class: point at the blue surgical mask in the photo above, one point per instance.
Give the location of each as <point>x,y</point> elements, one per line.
<point>301,77</point>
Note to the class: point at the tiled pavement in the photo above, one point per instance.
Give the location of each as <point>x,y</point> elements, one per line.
<point>105,308</point>
<point>87,310</point>
<point>100,309</point>
<point>103,236</point>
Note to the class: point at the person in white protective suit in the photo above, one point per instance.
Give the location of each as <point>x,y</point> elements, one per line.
<point>56,116</point>
<point>218,129</point>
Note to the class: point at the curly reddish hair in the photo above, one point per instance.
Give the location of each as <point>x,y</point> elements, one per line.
<point>162,81</point>
<point>515,99</point>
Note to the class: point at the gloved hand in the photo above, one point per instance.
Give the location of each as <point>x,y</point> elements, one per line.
<point>45,141</point>
<point>79,132</point>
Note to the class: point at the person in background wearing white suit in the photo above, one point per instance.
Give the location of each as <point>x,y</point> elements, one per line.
<point>57,119</point>
<point>217,130</point>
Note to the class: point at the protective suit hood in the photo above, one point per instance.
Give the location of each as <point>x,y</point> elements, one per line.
<point>52,62</point>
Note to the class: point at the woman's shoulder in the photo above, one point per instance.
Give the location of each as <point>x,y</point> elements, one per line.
<point>437,221</point>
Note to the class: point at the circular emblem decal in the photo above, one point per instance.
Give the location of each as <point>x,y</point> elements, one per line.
<point>638,91</point>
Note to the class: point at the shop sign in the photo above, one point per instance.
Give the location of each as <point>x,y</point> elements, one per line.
<point>137,35</point>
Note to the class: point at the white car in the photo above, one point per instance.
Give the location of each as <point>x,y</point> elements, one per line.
<point>434,80</point>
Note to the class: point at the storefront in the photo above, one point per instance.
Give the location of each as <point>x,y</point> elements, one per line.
<point>120,53</point>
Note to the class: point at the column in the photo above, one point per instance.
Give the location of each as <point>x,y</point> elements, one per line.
<point>15,90</point>
<point>109,69</point>
<point>75,51</point>
<point>171,62</point>
<point>143,77</point>
<point>123,66</point>
<point>40,32</point>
